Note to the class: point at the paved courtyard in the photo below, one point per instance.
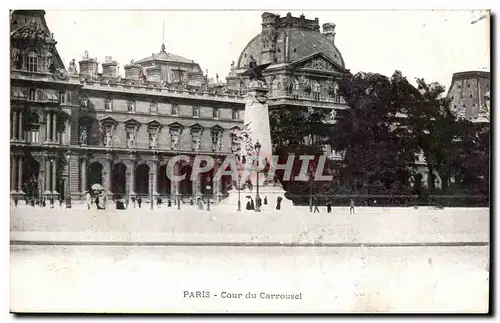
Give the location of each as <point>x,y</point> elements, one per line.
<point>189,225</point>
<point>380,259</point>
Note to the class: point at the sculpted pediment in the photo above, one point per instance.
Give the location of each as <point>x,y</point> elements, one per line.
<point>318,64</point>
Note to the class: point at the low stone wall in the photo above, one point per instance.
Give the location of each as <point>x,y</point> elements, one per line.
<point>370,225</point>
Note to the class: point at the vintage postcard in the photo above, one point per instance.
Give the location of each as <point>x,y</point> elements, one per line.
<point>260,161</point>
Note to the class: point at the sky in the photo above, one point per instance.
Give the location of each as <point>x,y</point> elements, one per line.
<point>421,43</point>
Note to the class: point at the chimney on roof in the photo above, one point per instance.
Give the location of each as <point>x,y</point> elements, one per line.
<point>88,66</point>
<point>109,68</point>
<point>329,31</point>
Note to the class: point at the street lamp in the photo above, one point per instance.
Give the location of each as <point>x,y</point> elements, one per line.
<point>257,197</point>
<point>239,192</point>
<point>151,202</point>
<point>50,180</point>
<point>68,194</point>
<point>42,185</point>
<point>310,189</point>
<point>209,192</point>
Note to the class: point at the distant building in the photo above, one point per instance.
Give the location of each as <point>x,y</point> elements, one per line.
<point>469,94</point>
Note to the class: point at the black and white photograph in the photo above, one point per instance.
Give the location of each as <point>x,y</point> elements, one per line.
<point>249,161</point>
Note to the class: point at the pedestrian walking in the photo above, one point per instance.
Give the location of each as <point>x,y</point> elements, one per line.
<point>15,201</point>
<point>139,201</point>
<point>351,208</point>
<point>328,207</point>
<point>315,204</point>
<point>88,199</point>
<point>278,202</point>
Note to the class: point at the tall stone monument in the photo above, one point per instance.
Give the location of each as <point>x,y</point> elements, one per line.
<point>256,129</point>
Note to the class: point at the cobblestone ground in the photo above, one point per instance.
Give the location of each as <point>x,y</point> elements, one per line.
<point>154,279</point>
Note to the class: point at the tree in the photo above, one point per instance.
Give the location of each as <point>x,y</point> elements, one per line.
<point>370,132</point>
<point>299,132</point>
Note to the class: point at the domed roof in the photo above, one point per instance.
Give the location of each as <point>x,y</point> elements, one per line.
<point>292,45</point>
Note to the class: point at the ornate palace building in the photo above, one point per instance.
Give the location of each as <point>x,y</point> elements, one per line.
<point>78,126</point>
<point>305,65</point>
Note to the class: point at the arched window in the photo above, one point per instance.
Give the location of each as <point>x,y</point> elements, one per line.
<point>32,61</point>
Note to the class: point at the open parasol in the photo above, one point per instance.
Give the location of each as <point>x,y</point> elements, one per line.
<point>97,187</point>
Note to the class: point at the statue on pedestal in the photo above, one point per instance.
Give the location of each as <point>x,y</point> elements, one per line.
<point>217,143</point>
<point>174,143</point>
<point>108,138</point>
<point>131,139</point>
<point>83,135</point>
<point>254,72</point>
<point>16,57</point>
<point>197,144</point>
<point>153,140</point>
<point>72,67</point>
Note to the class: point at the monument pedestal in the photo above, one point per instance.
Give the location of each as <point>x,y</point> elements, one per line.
<point>270,191</point>
<point>257,130</point>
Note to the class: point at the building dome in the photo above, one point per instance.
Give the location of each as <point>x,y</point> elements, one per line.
<point>290,39</point>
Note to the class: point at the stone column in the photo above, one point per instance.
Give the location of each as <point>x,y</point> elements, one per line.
<point>68,133</point>
<point>216,182</point>
<point>47,176</point>
<point>54,172</point>
<point>195,185</point>
<point>14,123</point>
<point>20,125</point>
<point>216,188</point>
<point>131,188</point>
<point>83,175</point>
<point>154,170</point>
<point>107,176</point>
<point>48,127</point>
<point>54,128</point>
<point>20,174</point>
<point>174,185</point>
<point>13,175</point>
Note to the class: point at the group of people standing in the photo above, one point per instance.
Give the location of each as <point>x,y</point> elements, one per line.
<point>315,208</point>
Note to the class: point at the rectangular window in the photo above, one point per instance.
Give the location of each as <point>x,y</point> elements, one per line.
<point>107,104</point>
<point>33,136</point>
<point>131,106</point>
<point>216,113</point>
<point>175,109</point>
<point>32,95</point>
<point>235,114</point>
<point>196,111</point>
<point>153,107</point>
<point>32,63</point>
<point>62,97</point>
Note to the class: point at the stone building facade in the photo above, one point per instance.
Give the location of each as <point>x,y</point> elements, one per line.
<point>75,127</point>
<point>305,65</point>
<point>86,124</point>
<point>469,93</point>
